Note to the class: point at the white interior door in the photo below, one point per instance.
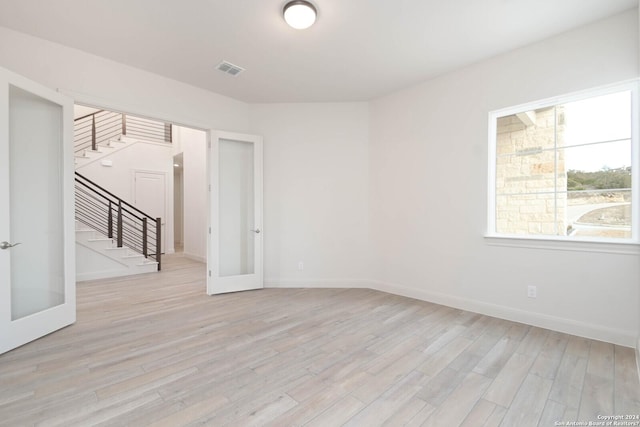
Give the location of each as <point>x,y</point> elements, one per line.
<point>235,243</point>
<point>150,193</point>
<point>37,265</point>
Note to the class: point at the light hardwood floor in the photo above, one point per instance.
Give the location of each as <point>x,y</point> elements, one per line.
<point>155,350</point>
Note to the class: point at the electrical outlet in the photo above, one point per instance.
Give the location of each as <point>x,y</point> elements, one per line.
<point>532,291</point>
<point>300,265</point>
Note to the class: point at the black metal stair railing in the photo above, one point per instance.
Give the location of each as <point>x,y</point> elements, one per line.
<point>96,128</point>
<point>105,212</point>
<point>92,130</point>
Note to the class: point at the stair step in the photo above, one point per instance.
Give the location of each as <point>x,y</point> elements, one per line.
<point>118,249</point>
<point>103,149</point>
<point>132,256</point>
<point>147,263</point>
<point>129,261</point>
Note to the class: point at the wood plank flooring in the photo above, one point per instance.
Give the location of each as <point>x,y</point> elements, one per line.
<point>155,350</point>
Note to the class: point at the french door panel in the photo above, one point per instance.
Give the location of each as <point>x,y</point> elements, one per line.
<point>235,239</point>
<point>37,265</point>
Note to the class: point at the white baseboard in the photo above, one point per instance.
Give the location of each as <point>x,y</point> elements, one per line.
<point>96,275</point>
<point>317,283</point>
<point>626,338</point>
<point>194,257</point>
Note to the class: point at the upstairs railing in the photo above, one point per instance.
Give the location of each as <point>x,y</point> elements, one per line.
<point>97,128</point>
<point>127,225</point>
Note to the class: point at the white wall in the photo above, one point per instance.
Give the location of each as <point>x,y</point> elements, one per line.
<point>193,144</point>
<point>118,178</point>
<point>429,191</point>
<point>315,192</point>
<point>105,83</point>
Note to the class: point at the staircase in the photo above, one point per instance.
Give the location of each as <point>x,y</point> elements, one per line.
<point>102,133</point>
<point>113,237</point>
<point>105,149</point>
<point>95,246</point>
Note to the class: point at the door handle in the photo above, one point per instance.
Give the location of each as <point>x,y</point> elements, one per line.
<point>7,245</point>
<point>257,231</point>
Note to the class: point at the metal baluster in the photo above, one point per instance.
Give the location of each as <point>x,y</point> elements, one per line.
<point>158,239</point>
<point>119,223</point>
<point>168,132</point>
<point>144,237</point>
<point>110,221</point>
<point>93,132</point>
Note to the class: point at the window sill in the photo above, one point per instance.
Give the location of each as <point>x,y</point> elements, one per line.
<point>621,248</point>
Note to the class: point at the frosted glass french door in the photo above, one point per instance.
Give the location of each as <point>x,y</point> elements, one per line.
<point>37,268</point>
<point>235,239</point>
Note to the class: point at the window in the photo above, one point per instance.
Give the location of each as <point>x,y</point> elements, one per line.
<point>566,169</point>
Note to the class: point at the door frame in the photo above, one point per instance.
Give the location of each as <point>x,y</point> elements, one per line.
<point>110,104</point>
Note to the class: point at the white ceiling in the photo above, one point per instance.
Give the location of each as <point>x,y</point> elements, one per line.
<point>356,51</point>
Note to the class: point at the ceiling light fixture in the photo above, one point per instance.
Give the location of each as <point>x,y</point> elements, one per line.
<point>299,14</point>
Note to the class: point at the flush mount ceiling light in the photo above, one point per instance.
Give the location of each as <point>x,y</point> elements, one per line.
<point>299,14</point>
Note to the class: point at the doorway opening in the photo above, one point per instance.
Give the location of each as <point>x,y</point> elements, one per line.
<point>221,198</point>
<point>159,170</point>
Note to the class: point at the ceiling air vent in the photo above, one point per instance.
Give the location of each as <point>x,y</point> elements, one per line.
<point>229,68</point>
